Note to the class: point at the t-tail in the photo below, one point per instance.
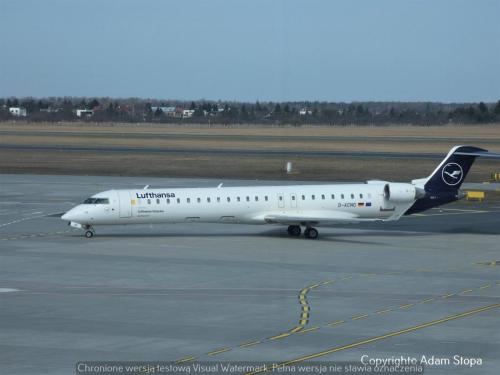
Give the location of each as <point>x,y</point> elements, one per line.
<point>443,185</point>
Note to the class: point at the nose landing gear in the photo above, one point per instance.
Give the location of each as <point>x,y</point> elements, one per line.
<point>89,231</point>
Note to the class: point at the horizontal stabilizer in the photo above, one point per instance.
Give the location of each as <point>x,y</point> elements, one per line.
<point>483,154</point>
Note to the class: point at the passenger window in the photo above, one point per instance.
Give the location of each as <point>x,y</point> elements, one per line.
<point>333,196</point>
<point>342,196</point>
<point>303,197</point>
<point>293,197</point>
<point>238,199</point>
<point>256,198</point>
<point>149,201</point>
<point>323,196</point>
<point>208,199</point>
<point>266,198</point>
<point>188,200</point>
<point>218,199</point>
<point>168,201</point>
<point>361,196</point>
<point>178,200</point>
<point>352,196</point>
<point>313,197</point>
<point>281,198</point>
<point>248,199</point>
<point>198,200</point>
<point>228,199</point>
<point>157,201</point>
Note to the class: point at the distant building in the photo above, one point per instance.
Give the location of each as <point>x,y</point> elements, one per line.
<point>187,113</point>
<point>84,112</point>
<point>168,111</point>
<point>18,111</point>
<point>178,112</point>
<point>304,112</point>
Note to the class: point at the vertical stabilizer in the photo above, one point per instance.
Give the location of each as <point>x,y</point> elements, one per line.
<point>450,174</point>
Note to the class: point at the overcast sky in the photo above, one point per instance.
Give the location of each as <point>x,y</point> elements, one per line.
<point>349,50</point>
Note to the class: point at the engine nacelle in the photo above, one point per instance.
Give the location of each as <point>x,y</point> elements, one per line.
<point>401,192</point>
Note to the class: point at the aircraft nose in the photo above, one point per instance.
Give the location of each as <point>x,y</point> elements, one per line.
<point>70,215</point>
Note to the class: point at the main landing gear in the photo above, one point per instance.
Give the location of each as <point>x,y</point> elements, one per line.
<point>294,230</point>
<point>310,232</point>
<point>89,231</point>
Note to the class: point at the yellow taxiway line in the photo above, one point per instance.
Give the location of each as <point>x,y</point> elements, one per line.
<point>382,337</point>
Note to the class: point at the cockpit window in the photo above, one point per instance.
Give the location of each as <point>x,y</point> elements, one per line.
<point>96,201</point>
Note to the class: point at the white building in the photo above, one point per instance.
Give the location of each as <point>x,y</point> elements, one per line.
<point>188,113</point>
<point>305,111</point>
<point>168,111</point>
<point>18,111</point>
<point>84,112</point>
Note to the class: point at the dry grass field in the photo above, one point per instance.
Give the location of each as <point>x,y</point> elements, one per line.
<point>194,143</point>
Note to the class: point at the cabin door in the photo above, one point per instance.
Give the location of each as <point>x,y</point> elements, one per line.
<point>293,200</point>
<point>125,204</point>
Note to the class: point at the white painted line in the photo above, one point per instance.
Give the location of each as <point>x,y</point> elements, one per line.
<point>19,220</point>
<point>461,210</point>
<point>451,213</point>
<point>33,213</point>
<point>8,290</point>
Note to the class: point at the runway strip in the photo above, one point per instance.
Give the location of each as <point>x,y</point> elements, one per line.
<point>245,137</point>
<point>378,338</point>
<point>213,151</point>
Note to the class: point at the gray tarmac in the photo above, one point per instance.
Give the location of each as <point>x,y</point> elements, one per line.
<point>426,285</point>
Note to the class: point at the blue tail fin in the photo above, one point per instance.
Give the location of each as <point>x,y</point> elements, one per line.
<point>443,185</point>
<point>450,174</point>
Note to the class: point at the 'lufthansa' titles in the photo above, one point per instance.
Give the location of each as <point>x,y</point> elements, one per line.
<point>154,195</point>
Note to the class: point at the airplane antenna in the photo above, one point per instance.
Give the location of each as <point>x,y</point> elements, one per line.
<point>220,185</point>
<point>145,187</point>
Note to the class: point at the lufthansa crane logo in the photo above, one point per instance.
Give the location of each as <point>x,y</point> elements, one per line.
<point>452,174</point>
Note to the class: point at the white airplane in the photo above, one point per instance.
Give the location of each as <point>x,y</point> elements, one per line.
<point>295,206</point>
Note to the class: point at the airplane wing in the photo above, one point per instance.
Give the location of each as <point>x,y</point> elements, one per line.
<point>315,218</point>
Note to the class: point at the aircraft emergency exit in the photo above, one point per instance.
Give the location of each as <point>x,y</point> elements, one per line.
<point>295,206</point>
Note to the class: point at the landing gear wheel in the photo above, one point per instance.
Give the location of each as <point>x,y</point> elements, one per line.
<point>294,230</point>
<point>89,234</point>
<point>311,233</point>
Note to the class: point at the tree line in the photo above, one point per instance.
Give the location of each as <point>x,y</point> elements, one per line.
<point>272,113</point>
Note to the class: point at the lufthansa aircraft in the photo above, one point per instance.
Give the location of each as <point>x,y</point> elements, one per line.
<point>295,206</point>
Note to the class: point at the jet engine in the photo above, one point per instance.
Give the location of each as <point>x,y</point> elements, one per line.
<point>401,192</point>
